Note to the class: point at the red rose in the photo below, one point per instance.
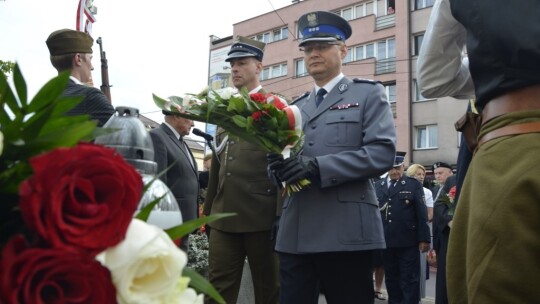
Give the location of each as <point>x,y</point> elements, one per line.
<point>256,115</point>
<point>51,275</point>
<point>82,197</point>
<point>258,97</point>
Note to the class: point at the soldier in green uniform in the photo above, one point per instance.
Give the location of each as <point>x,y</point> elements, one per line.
<point>239,183</point>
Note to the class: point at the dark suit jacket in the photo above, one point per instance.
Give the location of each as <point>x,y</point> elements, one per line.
<point>95,103</point>
<point>182,177</point>
<point>404,212</point>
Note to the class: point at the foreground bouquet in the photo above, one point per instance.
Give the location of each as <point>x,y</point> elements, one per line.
<point>449,200</point>
<point>67,210</point>
<point>262,119</point>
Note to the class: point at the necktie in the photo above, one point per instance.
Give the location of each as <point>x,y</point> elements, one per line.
<point>320,96</point>
<point>392,183</point>
<point>185,147</point>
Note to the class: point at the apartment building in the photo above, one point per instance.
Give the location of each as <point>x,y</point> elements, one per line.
<point>386,39</point>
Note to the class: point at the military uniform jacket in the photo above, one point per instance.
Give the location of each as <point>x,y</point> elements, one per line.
<point>240,184</point>
<point>94,103</point>
<point>352,136</point>
<point>403,212</point>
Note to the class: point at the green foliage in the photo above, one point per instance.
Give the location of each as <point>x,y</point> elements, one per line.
<point>6,67</point>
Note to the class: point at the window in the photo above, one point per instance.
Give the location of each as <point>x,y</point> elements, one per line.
<point>417,94</point>
<point>426,137</point>
<point>274,35</point>
<point>300,68</point>
<point>274,71</point>
<point>390,89</point>
<point>370,50</point>
<point>417,44</point>
<point>386,49</point>
<point>349,56</point>
<point>419,4</point>
<point>357,11</point>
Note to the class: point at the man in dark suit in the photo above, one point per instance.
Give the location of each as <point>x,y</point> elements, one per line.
<point>72,51</point>
<point>239,183</point>
<point>328,231</point>
<point>404,215</point>
<point>182,178</point>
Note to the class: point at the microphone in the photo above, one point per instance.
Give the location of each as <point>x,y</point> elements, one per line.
<point>200,133</point>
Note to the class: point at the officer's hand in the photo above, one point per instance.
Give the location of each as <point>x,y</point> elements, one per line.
<point>297,168</point>
<point>274,161</point>
<point>423,247</point>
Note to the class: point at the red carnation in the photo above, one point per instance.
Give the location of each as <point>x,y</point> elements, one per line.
<point>82,197</point>
<point>258,97</point>
<point>51,275</point>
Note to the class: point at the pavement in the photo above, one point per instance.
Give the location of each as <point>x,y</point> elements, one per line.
<point>430,290</point>
<point>246,295</point>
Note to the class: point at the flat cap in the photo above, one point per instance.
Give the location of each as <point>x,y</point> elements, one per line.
<point>68,41</point>
<point>323,26</point>
<point>245,47</point>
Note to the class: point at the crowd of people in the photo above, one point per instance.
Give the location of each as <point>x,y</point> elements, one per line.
<point>351,225</point>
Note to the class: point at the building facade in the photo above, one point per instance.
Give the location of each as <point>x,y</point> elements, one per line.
<point>384,45</point>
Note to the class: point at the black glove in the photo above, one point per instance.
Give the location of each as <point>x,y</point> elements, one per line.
<point>274,163</point>
<point>297,168</point>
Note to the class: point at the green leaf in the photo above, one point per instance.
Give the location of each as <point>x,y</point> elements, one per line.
<point>189,226</point>
<point>144,214</point>
<point>49,93</point>
<point>239,121</point>
<point>200,284</point>
<point>20,86</point>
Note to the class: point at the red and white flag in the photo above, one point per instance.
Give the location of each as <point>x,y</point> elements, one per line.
<point>85,17</point>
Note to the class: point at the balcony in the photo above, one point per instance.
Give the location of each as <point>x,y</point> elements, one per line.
<point>385,21</point>
<point>384,66</point>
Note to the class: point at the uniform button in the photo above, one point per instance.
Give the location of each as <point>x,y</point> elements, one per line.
<point>389,221</point>
<point>311,143</point>
<point>232,142</point>
<point>334,180</point>
<point>342,118</point>
<point>389,199</point>
<point>389,212</point>
<point>231,158</point>
<point>313,126</point>
<point>228,174</point>
<point>268,190</point>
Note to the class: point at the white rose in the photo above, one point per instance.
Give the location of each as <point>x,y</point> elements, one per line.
<point>226,93</point>
<point>146,267</point>
<point>1,142</point>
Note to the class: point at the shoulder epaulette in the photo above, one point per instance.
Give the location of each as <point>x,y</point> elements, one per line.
<point>361,80</point>
<point>300,97</point>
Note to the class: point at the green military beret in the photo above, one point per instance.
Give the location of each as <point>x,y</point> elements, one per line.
<point>68,41</point>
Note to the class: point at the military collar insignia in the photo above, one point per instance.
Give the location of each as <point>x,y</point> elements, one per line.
<point>343,87</point>
<point>344,106</point>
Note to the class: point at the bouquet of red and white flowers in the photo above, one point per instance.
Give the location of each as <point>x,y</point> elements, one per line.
<point>265,120</point>
<point>67,227</point>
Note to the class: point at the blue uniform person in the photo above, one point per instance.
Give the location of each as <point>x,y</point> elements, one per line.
<point>404,216</point>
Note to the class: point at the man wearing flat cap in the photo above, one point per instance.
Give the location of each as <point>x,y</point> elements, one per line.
<point>72,51</point>
<point>328,231</point>
<point>239,183</point>
<point>406,230</point>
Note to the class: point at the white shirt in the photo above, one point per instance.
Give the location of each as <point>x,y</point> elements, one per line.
<point>429,197</point>
<point>331,84</point>
<point>442,69</point>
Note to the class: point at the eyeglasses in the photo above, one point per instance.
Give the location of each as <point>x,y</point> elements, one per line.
<point>319,47</point>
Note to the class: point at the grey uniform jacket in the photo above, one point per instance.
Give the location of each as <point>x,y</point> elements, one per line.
<point>182,177</point>
<point>352,136</point>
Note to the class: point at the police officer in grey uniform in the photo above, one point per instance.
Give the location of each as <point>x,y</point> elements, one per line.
<point>328,231</point>
<point>404,216</point>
